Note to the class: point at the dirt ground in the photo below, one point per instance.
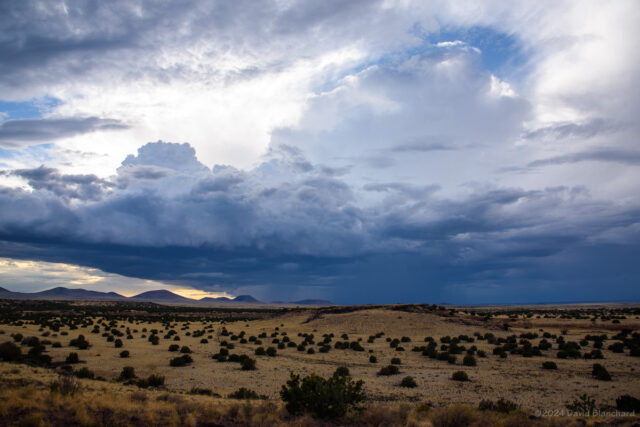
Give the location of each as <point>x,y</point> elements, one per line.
<point>516,378</point>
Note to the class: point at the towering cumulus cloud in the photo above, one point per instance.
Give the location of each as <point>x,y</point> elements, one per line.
<point>289,223</point>
<point>361,151</point>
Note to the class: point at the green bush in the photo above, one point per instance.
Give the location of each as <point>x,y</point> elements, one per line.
<point>118,343</point>
<point>460,376</point>
<point>408,382</point>
<point>124,354</point>
<point>260,351</point>
<point>324,398</point>
<point>396,361</point>
<point>549,365</point>
<point>584,404</point>
<point>373,359</point>
<point>174,347</point>
<point>271,352</point>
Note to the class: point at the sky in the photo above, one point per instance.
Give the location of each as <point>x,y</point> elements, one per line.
<point>466,152</point>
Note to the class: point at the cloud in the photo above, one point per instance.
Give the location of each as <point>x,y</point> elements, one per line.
<point>223,229</point>
<point>360,142</point>
<point>614,156</point>
<point>81,187</point>
<point>16,133</point>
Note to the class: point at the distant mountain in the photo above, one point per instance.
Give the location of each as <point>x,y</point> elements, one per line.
<point>245,298</point>
<point>218,299</point>
<point>312,302</point>
<point>161,295</point>
<point>76,294</point>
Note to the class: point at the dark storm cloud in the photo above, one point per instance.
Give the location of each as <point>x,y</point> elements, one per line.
<point>81,187</point>
<point>46,43</point>
<point>16,133</point>
<point>197,226</point>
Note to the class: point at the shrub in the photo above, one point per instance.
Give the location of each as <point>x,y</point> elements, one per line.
<point>271,352</point>
<point>396,361</point>
<point>599,372</point>
<point>469,360</point>
<point>128,373</point>
<point>118,343</point>
<point>460,376</point>
<point>244,393</point>
<point>326,398</point>
<point>72,358</point>
<point>80,342</point>
<point>549,365</point>
<point>389,370</point>
<point>453,416</point>
<point>17,337</point>
<point>181,361</point>
<point>65,385</point>
<point>248,364</point>
<point>342,371</point>
<point>373,359</point>
<point>84,373</point>
<point>9,352</point>
<point>152,380</point>
<point>502,405</point>
<point>185,350</point>
<point>584,404</point>
<point>174,347</point>
<point>408,382</point>
<point>311,351</point>
<point>124,354</point>
<point>260,351</point>
<point>628,403</point>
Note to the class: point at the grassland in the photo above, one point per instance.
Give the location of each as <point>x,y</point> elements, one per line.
<point>514,372</point>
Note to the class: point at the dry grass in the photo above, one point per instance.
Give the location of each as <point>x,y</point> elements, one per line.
<point>26,399</point>
<point>104,405</point>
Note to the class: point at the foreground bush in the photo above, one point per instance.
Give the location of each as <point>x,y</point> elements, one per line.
<point>320,397</point>
<point>628,403</point>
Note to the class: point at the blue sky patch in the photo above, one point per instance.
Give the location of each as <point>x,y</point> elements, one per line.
<point>32,109</point>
